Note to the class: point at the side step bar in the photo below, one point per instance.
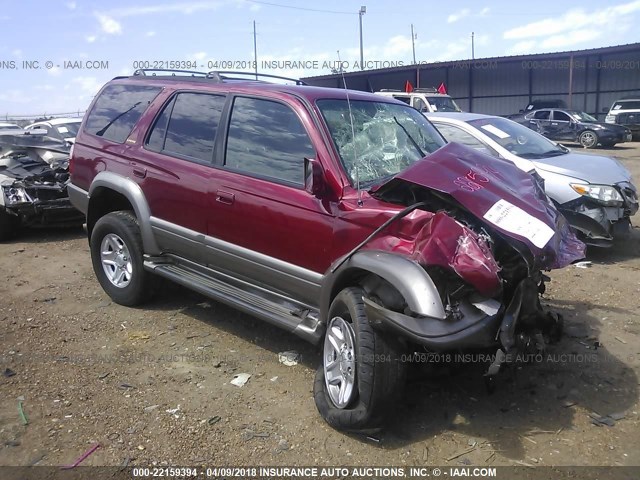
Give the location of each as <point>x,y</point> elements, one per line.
<point>284,313</point>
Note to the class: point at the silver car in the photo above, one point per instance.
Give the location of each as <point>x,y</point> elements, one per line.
<point>595,193</point>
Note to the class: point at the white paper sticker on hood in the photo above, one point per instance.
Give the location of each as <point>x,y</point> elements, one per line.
<point>515,220</point>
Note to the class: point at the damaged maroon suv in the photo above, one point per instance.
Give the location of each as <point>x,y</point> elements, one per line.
<point>339,216</point>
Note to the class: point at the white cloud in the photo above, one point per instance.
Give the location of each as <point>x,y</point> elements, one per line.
<point>576,19</point>
<point>54,71</point>
<point>45,87</point>
<point>17,53</point>
<point>184,7</point>
<point>454,17</point>
<point>525,46</point>
<point>87,85</point>
<point>150,33</point>
<point>15,96</point>
<point>484,11</point>
<point>198,56</point>
<point>71,5</point>
<point>108,24</point>
<point>571,38</point>
<point>90,38</point>
<point>396,47</point>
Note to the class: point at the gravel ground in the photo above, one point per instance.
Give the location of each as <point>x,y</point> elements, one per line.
<point>153,385</point>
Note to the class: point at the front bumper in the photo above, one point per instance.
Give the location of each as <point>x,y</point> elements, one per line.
<point>58,212</point>
<point>509,328</point>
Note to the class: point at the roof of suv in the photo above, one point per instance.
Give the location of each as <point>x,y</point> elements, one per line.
<point>308,92</point>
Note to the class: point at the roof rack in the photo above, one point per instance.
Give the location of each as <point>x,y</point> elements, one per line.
<point>389,90</point>
<point>223,76</point>
<point>218,76</point>
<point>426,90</point>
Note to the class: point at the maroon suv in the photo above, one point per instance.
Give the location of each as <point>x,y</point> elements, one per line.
<point>340,216</point>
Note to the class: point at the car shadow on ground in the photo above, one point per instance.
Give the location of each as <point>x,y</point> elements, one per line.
<point>618,147</point>
<point>622,249</point>
<point>46,234</point>
<point>540,397</point>
<point>573,378</point>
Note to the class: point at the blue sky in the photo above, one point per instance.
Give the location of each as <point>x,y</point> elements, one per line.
<point>123,32</point>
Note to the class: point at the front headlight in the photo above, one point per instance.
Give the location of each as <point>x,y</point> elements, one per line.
<point>605,194</point>
<point>15,195</point>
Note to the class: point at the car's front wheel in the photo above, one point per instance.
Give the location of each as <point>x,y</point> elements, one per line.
<point>588,139</point>
<point>361,371</point>
<point>117,257</point>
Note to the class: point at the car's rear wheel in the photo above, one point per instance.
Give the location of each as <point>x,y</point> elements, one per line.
<point>117,257</point>
<point>588,139</point>
<point>361,371</point>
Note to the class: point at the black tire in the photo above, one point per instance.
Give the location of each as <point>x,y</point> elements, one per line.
<point>380,372</point>
<point>588,139</point>
<point>124,225</point>
<point>8,225</point>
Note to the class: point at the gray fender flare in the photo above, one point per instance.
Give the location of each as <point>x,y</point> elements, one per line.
<point>411,280</point>
<point>132,191</point>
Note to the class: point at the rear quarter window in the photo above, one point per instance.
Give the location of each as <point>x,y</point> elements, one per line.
<point>117,110</point>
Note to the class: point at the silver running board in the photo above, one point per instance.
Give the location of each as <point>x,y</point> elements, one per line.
<point>281,311</point>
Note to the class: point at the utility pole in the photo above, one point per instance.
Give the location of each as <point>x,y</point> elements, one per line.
<point>413,44</point>
<point>255,50</point>
<point>363,10</point>
<point>473,53</point>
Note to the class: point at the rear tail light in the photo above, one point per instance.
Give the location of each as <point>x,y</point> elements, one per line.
<point>71,162</point>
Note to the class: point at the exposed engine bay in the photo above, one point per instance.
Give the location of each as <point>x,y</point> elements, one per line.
<point>487,268</point>
<point>34,173</point>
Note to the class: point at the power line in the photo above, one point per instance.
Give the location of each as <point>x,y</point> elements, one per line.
<point>293,7</point>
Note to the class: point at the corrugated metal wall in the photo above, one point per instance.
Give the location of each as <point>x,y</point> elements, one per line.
<point>504,85</point>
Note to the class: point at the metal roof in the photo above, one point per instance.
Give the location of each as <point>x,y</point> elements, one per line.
<point>508,58</point>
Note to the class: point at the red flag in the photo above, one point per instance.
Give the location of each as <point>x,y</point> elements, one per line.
<point>408,87</point>
<point>442,89</point>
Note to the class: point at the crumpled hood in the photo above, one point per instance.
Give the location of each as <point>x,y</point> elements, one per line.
<point>595,169</point>
<point>498,193</point>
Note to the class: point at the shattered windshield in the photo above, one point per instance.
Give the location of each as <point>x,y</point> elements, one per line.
<point>517,139</point>
<point>388,137</point>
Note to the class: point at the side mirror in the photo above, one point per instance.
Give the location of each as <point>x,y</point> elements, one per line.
<point>314,180</point>
<point>521,111</point>
<point>605,110</point>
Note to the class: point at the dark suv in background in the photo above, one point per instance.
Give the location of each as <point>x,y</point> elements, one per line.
<point>340,216</point>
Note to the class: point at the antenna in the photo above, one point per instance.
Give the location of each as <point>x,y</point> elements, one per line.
<point>353,133</point>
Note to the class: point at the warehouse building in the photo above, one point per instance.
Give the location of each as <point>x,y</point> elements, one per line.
<point>589,80</point>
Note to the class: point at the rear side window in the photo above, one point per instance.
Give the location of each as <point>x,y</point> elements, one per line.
<point>117,110</point>
<point>267,139</point>
<point>627,105</point>
<point>542,115</point>
<point>187,126</point>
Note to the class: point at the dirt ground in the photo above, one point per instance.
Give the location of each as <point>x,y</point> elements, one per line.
<point>152,385</point>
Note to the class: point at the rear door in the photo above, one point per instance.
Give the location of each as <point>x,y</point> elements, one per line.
<point>175,168</point>
<point>561,126</point>
<point>540,121</point>
<point>277,233</point>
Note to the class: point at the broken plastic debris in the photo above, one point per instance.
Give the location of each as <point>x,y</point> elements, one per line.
<point>8,372</point>
<point>150,408</point>
<point>583,264</point>
<point>23,417</point>
<point>215,419</point>
<point>290,358</point>
<point>240,379</point>
<point>273,379</point>
<point>173,411</point>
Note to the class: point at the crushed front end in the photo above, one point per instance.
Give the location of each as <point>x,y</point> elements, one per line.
<point>484,236</point>
<point>33,184</point>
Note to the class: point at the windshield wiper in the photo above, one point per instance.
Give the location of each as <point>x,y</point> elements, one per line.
<point>415,144</point>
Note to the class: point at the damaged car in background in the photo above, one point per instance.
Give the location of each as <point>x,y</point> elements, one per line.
<point>596,194</point>
<point>339,216</point>
<point>34,172</point>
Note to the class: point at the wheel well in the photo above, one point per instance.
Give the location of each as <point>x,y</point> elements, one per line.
<point>374,286</point>
<point>103,201</point>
